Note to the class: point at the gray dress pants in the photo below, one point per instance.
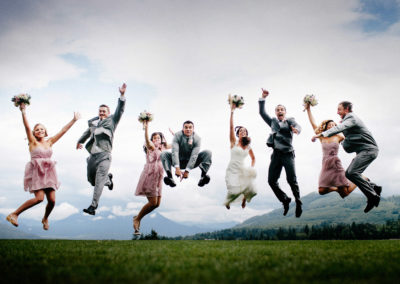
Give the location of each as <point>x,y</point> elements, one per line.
<point>281,160</point>
<point>98,166</point>
<point>203,161</point>
<point>359,164</point>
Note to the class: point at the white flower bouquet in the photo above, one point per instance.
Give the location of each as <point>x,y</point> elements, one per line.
<point>310,100</point>
<point>21,99</point>
<point>145,116</point>
<point>236,100</point>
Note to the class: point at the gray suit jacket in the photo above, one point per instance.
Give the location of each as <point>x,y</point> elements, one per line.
<point>282,135</point>
<point>357,137</point>
<point>183,151</point>
<point>102,134</point>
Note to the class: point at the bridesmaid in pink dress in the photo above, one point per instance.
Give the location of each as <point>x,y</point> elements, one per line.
<point>40,173</point>
<point>332,176</point>
<point>150,182</point>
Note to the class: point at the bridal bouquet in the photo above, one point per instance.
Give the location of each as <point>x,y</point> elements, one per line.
<point>21,99</point>
<point>310,100</point>
<point>236,100</point>
<point>145,116</point>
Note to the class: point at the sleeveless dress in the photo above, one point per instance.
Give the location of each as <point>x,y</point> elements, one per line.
<point>239,178</point>
<point>40,172</point>
<point>150,182</point>
<point>332,172</point>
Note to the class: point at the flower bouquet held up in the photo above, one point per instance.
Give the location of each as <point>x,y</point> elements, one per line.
<point>236,100</point>
<point>145,116</point>
<point>21,99</point>
<point>309,100</point>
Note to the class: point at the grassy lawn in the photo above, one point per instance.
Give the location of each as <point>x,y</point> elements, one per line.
<point>66,261</point>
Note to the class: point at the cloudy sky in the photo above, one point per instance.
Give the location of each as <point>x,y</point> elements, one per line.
<point>180,60</point>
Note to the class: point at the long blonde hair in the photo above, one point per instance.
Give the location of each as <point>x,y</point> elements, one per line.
<point>322,127</point>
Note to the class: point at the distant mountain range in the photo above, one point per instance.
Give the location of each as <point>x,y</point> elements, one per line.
<point>330,209</point>
<point>317,209</point>
<point>80,226</point>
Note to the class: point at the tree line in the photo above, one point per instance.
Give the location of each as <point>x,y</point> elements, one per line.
<point>323,231</point>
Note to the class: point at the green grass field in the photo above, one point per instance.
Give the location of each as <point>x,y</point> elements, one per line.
<point>62,261</point>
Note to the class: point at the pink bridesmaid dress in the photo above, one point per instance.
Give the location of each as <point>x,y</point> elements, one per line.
<point>150,182</point>
<point>40,172</point>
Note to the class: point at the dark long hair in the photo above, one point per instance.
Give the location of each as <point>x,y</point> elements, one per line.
<point>245,140</point>
<point>163,141</point>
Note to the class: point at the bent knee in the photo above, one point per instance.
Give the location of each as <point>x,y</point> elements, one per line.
<point>39,199</point>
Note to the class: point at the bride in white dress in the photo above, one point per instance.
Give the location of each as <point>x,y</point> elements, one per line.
<point>239,178</point>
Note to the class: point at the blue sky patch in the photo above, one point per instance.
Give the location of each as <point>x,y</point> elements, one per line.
<point>383,14</point>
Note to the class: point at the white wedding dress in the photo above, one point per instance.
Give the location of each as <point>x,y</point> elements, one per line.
<point>239,178</point>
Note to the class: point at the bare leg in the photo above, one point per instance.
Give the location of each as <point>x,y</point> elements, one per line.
<point>325,190</point>
<point>51,201</point>
<point>153,203</point>
<point>13,217</point>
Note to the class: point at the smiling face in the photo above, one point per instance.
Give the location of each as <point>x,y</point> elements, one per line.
<point>280,112</point>
<point>341,111</point>
<point>156,139</point>
<point>330,125</point>
<point>104,112</point>
<point>39,131</point>
<point>242,132</point>
<point>188,129</point>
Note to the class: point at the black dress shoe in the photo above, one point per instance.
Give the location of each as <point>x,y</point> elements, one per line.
<point>90,210</point>
<point>371,203</point>
<point>204,180</point>
<point>111,185</point>
<point>377,188</point>
<point>169,181</point>
<point>286,206</point>
<point>299,210</point>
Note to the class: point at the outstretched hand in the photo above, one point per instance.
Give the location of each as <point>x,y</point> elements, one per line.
<point>79,146</point>
<point>295,131</point>
<point>77,116</point>
<point>265,93</point>
<point>314,138</point>
<point>122,89</point>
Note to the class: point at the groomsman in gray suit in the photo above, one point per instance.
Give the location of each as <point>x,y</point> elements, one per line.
<point>357,139</point>
<point>101,135</point>
<point>280,140</point>
<point>186,155</point>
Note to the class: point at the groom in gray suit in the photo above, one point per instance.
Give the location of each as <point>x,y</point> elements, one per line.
<point>186,155</point>
<point>357,139</point>
<point>280,140</point>
<point>101,135</point>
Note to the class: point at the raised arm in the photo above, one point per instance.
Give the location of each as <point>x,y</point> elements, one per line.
<point>64,130</point>
<point>149,144</point>
<point>311,117</point>
<point>261,104</point>
<point>232,137</point>
<point>29,134</point>
<point>121,105</point>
